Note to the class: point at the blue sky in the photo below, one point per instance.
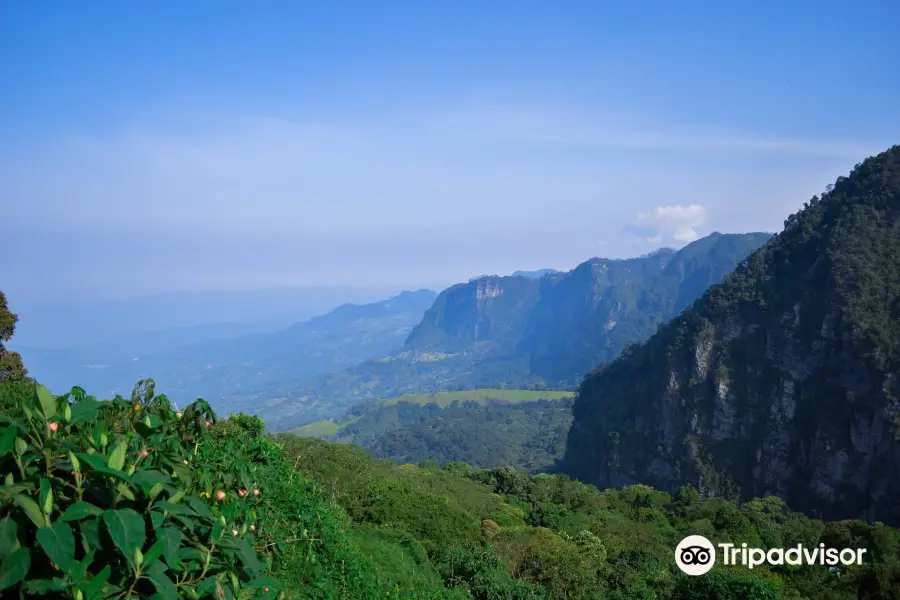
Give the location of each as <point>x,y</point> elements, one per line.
<point>161,146</point>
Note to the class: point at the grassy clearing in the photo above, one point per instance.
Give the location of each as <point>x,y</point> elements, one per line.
<point>322,428</point>
<point>482,396</point>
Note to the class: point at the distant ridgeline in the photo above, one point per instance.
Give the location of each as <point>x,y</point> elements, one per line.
<point>519,332</point>
<point>783,380</point>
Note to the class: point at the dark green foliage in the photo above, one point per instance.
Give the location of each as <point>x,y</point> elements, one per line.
<point>781,380</point>
<point>501,533</point>
<point>111,492</point>
<point>11,366</point>
<point>529,435</point>
<point>129,498</point>
<point>331,522</point>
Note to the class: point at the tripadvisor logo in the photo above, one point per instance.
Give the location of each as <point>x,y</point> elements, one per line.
<point>696,555</point>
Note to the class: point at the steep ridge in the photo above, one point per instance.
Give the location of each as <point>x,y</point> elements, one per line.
<point>517,332</point>
<point>783,380</point>
<point>603,305</point>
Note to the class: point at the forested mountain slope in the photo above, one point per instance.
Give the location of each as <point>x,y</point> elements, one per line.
<point>781,381</point>
<point>518,332</point>
<point>484,428</point>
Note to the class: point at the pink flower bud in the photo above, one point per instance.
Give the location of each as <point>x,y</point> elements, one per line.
<point>73,473</point>
<point>220,495</point>
<point>207,424</point>
<point>54,427</point>
<point>187,438</point>
<point>178,414</point>
<point>242,493</point>
<point>145,453</point>
<point>253,528</point>
<point>256,492</point>
<point>234,532</point>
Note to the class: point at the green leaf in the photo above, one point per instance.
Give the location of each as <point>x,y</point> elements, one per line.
<point>94,461</point>
<point>46,497</point>
<point>207,587</point>
<point>80,510</point>
<point>156,519</point>
<point>156,573</point>
<point>84,410</point>
<point>200,507</point>
<point>217,530</point>
<point>42,587</point>
<point>8,537</point>
<point>143,429</point>
<point>155,491</point>
<point>149,478</point>
<point>58,543</point>
<point>77,574</point>
<point>246,553</point>
<point>184,474</point>
<point>186,523</point>
<point>92,591</point>
<point>117,456</point>
<point>90,534</point>
<point>48,402</point>
<point>263,582</point>
<point>7,441</point>
<point>14,568</point>
<point>32,510</point>
<point>111,473</point>
<point>126,528</point>
<point>171,537</point>
<point>155,551</point>
<point>175,509</point>
<point>124,492</point>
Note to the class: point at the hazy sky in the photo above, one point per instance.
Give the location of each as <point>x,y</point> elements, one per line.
<point>206,145</point>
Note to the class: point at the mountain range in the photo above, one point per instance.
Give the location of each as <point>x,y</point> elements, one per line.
<point>213,367</point>
<point>534,332</point>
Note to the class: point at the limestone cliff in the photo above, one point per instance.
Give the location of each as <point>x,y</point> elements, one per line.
<point>783,380</point>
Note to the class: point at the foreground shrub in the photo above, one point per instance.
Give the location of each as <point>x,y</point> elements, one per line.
<point>103,499</point>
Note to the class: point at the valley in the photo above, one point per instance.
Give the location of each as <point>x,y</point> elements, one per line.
<point>449,301</point>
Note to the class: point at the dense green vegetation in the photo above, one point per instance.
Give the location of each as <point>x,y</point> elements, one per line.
<point>484,428</point>
<point>10,362</point>
<point>505,534</point>
<point>516,332</point>
<point>530,436</point>
<point>783,379</point>
<point>132,499</point>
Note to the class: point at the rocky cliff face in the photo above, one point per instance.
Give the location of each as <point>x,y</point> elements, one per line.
<point>564,324</point>
<point>587,316</point>
<point>488,309</point>
<point>781,381</point>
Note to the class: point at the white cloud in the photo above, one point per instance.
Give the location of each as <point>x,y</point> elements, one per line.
<point>676,223</point>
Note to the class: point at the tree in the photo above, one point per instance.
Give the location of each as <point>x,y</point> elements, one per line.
<point>10,362</point>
